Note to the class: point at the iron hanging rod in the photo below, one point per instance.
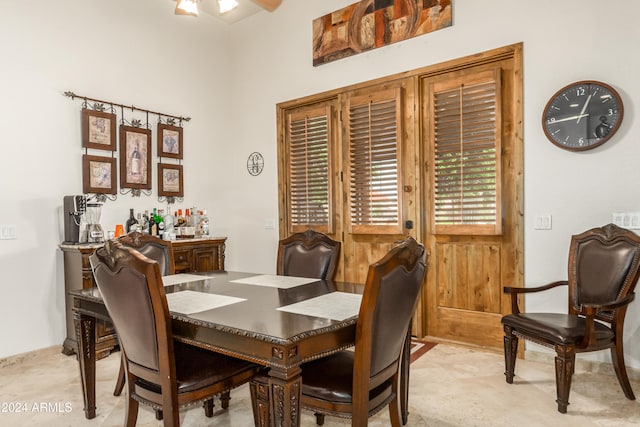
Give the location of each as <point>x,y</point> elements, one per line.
<point>132,107</point>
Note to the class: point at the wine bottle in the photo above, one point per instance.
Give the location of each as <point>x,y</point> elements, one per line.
<point>131,221</point>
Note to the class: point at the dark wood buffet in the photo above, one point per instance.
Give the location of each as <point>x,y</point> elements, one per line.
<point>190,256</point>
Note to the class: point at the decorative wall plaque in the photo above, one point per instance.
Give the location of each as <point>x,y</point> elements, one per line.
<point>370,24</point>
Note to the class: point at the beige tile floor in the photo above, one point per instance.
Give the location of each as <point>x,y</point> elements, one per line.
<point>450,386</point>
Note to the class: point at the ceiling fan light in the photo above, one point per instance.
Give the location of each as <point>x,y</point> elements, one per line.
<point>227,5</point>
<point>187,7</point>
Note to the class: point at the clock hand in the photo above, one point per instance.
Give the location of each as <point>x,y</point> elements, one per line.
<point>565,119</point>
<point>584,107</point>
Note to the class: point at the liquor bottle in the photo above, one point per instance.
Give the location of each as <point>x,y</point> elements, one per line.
<point>153,226</point>
<point>131,221</point>
<point>160,223</point>
<point>195,221</point>
<point>139,225</point>
<point>188,228</point>
<point>179,222</point>
<point>204,224</point>
<point>169,225</point>
<point>144,225</point>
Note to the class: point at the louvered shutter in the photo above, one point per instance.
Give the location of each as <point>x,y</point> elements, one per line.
<point>309,133</point>
<point>466,155</point>
<point>374,134</point>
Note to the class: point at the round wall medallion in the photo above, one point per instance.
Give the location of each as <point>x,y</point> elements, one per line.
<point>255,164</point>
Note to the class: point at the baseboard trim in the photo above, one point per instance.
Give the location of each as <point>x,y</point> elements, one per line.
<point>30,355</point>
<point>582,365</point>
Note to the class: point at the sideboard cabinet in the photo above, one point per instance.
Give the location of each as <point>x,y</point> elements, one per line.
<point>190,256</point>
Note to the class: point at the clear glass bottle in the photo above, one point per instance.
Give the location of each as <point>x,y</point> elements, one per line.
<point>168,225</point>
<point>195,221</point>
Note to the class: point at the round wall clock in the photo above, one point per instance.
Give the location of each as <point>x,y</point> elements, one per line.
<point>255,164</point>
<point>582,115</point>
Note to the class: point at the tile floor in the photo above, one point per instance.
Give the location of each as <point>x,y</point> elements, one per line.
<point>450,386</point>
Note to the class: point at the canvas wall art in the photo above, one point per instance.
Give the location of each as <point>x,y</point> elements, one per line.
<point>370,24</point>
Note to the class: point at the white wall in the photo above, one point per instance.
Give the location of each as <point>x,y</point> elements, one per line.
<point>563,42</point>
<point>131,52</point>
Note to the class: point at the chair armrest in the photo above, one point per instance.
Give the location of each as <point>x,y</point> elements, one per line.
<point>595,308</point>
<point>591,310</point>
<point>514,291</point>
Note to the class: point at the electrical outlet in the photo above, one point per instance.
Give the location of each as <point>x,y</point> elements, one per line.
<point>543,222</point>
<point>8,232</point>
<point>269,224</point>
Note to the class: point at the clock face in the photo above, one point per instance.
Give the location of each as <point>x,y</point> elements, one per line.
<point>582,115</point>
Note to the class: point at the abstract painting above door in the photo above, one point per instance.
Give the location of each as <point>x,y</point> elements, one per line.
<point>370,24</point>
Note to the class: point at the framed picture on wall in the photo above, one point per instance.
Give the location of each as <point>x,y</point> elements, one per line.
<point>170,180</point>
<point>98,130</point>
<point>169,141</point>
<point>135,157</point>
<point>99,175</point>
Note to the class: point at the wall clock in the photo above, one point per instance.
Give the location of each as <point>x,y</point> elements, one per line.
<point>582,115</point>
<point>255,164</point>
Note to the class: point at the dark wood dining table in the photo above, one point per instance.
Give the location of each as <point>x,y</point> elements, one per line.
<point>253,330</point>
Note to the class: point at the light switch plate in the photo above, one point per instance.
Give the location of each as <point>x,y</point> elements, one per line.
<point>269,224</point>
<point>630,220</point>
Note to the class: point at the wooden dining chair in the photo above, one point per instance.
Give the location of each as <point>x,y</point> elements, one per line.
<point>162,373</point>
<point>357,384</point>
<point>158,250</point>
<point>308,254</point>
<point>604,266</point>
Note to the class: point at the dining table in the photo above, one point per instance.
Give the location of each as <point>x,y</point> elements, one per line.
<point>275,321</point>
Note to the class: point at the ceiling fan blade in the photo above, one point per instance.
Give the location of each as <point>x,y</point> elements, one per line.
<point>269,5</point>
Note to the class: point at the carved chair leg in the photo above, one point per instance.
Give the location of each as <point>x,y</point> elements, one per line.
<point>208,408</point>
<point>117,391</point>
<point>565,365</point>
<point>510,353</point>
<point>225,397</point>
<point>617,356</point>
<point>319,419</point>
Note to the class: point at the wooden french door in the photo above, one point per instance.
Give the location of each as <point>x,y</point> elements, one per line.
<point>462,298</point>
<point>464,301</point>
